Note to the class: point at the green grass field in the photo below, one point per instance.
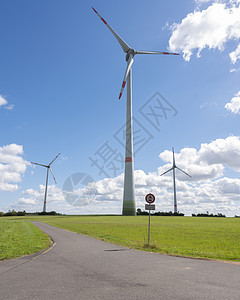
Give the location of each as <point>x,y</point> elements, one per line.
<point>20,237</point>
<point>214,238</point>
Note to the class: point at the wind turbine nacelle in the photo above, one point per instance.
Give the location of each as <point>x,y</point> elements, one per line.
<point>131,51</point>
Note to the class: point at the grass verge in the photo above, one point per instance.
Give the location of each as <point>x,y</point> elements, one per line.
<point>20,237</point>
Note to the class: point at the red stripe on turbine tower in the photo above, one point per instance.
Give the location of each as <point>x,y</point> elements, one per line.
<point>128,159</point>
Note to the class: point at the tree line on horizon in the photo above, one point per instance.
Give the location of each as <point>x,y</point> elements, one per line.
<point>139,212</point>
<point>12,213</point>
<point>170,213</point>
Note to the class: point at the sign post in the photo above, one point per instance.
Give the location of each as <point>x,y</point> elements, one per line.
<point>150,198</point>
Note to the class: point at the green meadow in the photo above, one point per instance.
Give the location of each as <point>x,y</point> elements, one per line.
<point>20,237</point>
<point>213,238</point>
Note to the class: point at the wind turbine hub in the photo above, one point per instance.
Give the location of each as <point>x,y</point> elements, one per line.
<point>132,52</point>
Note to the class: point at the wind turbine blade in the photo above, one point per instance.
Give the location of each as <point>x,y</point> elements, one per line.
<point>173,157</point>
<point>53,176</point>
<point>129,65</point>
<point>156,52</point>
<point>123,44</point>
<point>38,164</point>
<point>54,159</point>
<point>183,172</point>
<point>167,171</point>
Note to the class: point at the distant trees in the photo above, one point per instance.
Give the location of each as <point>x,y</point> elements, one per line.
<point>159,213</point>
<point>51,213</point>
<point>11,213</point>
<point>168,214</point>
<point>219,215</point>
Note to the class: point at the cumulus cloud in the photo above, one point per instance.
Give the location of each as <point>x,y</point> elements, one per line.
<point>208,162</point>
<point>210,28</point>
<point>234,104</point>
<point>234,70</point>
<point>91,198</point>
<point>235,55</point>
<point>222,151</point>
<point>190,160</point>
<point>12,167</point>
<point>4,103</point>
<point>208,190</point>
<point>31,196</point>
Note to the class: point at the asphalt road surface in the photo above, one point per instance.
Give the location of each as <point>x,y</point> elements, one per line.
<point>79,267</point>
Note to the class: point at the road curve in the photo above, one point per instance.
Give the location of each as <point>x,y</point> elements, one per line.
<point>80,267</point>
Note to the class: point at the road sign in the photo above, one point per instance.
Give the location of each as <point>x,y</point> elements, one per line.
<point>150,206</point>
<point>150,198</point>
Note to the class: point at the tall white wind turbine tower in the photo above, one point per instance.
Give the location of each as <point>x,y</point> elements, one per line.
<point>129,206</point>
<point>46,187</point>
<point>174,182</point>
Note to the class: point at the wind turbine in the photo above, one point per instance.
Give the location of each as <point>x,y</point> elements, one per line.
<point>129,206</point>
<point>174,183</point>
<point>48,168</point>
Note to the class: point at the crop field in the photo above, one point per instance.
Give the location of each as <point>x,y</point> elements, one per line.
<point>213,238</point>
<point>20,237</point>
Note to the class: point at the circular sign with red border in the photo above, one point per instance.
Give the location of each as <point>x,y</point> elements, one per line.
<point>150,198</point>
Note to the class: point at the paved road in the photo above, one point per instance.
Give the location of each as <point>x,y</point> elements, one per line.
<point>79,267</point>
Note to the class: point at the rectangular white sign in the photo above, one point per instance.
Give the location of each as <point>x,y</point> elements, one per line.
<point>149,206</point>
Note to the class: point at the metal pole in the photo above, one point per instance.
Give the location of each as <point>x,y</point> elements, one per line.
<point>174,192</point>
<point>129,206</point>
<point>45,197</point>
<point>149,229</point>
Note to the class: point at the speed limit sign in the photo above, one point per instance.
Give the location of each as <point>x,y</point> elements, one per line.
<point>150,198</point>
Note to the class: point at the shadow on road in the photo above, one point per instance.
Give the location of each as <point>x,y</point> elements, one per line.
<point>112,250</point>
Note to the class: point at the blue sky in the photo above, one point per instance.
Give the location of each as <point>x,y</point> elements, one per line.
<point>61,72</point>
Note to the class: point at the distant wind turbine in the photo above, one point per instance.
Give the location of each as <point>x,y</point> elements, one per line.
<point>48,168</point>
<point>129,206</point>
<point>174,183</point>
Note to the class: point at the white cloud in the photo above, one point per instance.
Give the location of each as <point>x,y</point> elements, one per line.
<point>234,70</point>
<point>235,55</point>
<point>208,105</point>
<point>222,151</point>
<point>92,198</point>
<point>9,107</point>
<point>228,186</point>
<point>208,190</point>
<point>31,196</point>
<point>3,101</point>
<point>190,160</point>
<point>12,167</point>
<point>234,104</point>
<point>6,187</point>
<point>212,28</point>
